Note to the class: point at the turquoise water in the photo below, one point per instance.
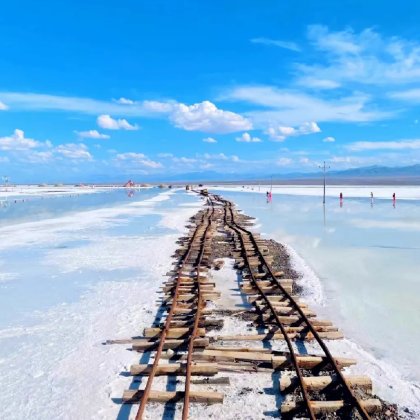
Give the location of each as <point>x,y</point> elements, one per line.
<point>367,258</point>
<point>37,283</point>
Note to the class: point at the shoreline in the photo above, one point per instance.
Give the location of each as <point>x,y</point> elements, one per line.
<point>386,378</point>
<point>388,381</point>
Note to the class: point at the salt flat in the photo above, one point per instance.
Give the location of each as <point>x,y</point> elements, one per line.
<point>71,282</point>
<point>359,263</point>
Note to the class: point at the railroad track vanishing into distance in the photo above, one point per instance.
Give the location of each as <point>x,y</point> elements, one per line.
<point>185,345</point>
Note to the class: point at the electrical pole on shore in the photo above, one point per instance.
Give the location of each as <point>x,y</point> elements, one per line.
<point>325,178</point>
<point>271,188</point>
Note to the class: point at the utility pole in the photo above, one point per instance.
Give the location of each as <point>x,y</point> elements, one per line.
<point>325,178</point>
<point>271,188</point>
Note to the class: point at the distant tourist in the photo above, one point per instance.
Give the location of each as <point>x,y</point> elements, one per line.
<point>341,196</point>
<point>393,196</point>
<point>371,195</point>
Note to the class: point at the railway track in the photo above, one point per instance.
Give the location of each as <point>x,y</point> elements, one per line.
<point>183,346</point>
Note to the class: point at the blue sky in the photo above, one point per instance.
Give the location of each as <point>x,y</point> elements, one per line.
<point>143,88</point>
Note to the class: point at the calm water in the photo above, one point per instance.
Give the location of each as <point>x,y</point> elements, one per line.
<point>37,284</point>
<point>38,208</point>
<point>367,258</point>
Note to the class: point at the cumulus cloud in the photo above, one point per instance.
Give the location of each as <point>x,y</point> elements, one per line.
<point>17,141</point>
<point>282,44</point>
<point>248,139</point>
<point>389,145</point>
<point>3,107</point>
<point>91,134</point>
<point>165,155</point>
<point>203,116</point>
<point>329,140</point>
<point>206,117</point>
<point>74,151</point>
<point>280,133</point>
<point>125,101</point>
<point>209,140</point>
<point>105,121</point>
<point>284,161</point>
<point>304,160</point>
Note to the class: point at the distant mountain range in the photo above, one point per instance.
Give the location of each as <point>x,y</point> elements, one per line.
<point>367,172</point>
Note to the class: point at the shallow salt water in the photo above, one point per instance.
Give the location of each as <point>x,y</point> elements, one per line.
<point>367,257</point>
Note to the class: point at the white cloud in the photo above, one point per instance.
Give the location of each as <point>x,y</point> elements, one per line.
<point>293,108</point>
<point>203,116</point>
<point>105,121</point>
<point>74,151</point>
<point>390,145</point>
<point>91,134</point>
<point>131,156</point>
<point>111,151</point>
<point>248,139</point>
<point>3,107</point>
<point>155,106</point>
<point>280,133</point>
<point>165,155</point>
<point>284,161</point>
<point>4,159</point>
<point>41,102</point>
<point>206,117</point>
<point>151,164</point>
<point>220,156</point>
<point>282,44</point>
<point>33,156</point>
<point>304,160</point>
<point>184,160</point>
<point>318,83</point>
<point>125,101</point>
<point>329,140</point>
<point>209,140</point>
<point>17,141</point>
<point>206,166</point>
<point>364,57</point>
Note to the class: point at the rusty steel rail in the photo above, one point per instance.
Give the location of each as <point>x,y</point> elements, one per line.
<point>352,396</point>
<point>146,392</point>
<point>196,321</point>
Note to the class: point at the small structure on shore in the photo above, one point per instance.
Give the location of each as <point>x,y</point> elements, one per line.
<point>163,186</point>
<point>43,185</point>
<point>145,185</point>
<point>58,185</point>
